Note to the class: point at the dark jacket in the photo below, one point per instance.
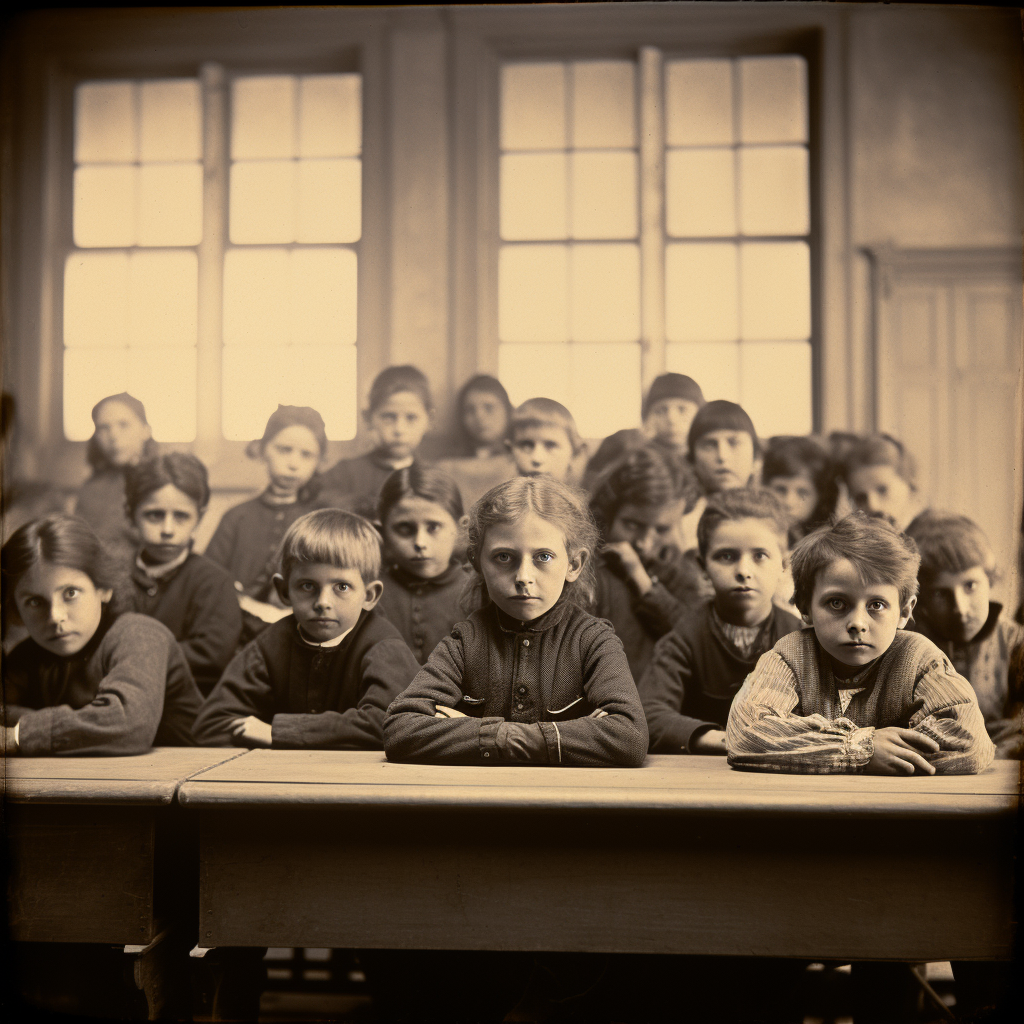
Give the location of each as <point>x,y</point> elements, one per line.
<point>101,504</point>
<point>355,484</point>
<point>695,673</point>
<point>530,691</point>
<point>197,602</point>
<point>127,690</point>
<point>329,698</point>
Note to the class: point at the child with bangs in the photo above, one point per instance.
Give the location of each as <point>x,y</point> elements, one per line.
<point>802,476</point>
<point>421,519</point>
<point>544,440</point>
<point>723,447</point>
<point>699,666</point>
<point>880,477</point>
<point>955,611</point>
<point>531,677</point>
<point>322,677</point>
<point>645,584</point>
<point>856,691</point>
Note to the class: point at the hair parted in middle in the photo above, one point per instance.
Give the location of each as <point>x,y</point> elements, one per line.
<point>545,412</point>
<point>181,469</point>
<point>331,536</point>
<point>648,476</point>
<point>951,543</point>
<point>559,504</point>
<point>873,543</point>
<point>394,379</point>
<point>420,481</point>
<point>742,503</point>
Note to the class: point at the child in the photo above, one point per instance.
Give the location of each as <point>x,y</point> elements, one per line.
<point>121,439</point>
<point>668,410</point>
<point>880,476</point>
<point>324,676</point>
<point>192,596</point>
<point>544,440</point>
<point>530,677</point>
<point>802,476</point>
<point>723,447</point>
<point>698,668</point>
<point>86,681</point>
<point>484,415</point>
<point>856,691</point>
<point>398,415</point>
<point>644,583</point>
<point>958,568</point>
<point>420,512</point>
<point>248,537</point>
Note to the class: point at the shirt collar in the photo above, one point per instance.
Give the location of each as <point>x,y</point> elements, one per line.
<point>336,642</point>
<point>276,501</point>
<point>409,579</point>
<point>160,570</point>
<point>550,618</point>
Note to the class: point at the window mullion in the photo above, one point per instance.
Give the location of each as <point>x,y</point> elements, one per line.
<point>652,221</point>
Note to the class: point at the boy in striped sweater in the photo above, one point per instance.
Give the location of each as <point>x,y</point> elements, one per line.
<point>855,691</point>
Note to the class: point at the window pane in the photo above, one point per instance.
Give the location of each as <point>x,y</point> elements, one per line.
<point>698,103</point>
<point>533,203</point>
<point>170,204</point>
<point>263,201</point>
<point>257,380</point>
<point>256,297</point>
<point>604,199</point>
<point>533,288</point>
<point>263,117</point>
<point>773,191</point>
<point>701,294</point>
<point>330,115</point>
<point>104,205</point>
<point>605,387</point>
<point>700,197</point>
<point>775,290</point>
<point>324,296</point>
<point>95,303</point>
<point>775,386</point>
<point>533,106</point>
<point>605,292</point>
<point>105,124</point>
<point>162,299</point>
<point>164,380</point>
<point>603,105</point>
<point>89,375</point>
<point>773,99</point>
<point>171,121</point>
<point>536,371</point>
<point>330,200</point>
<point>713,365</point>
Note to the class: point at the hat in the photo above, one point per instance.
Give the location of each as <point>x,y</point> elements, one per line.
<point>290,416</point>
<point>129,401</point>
<point>721,415</point>
<point>672,385</point>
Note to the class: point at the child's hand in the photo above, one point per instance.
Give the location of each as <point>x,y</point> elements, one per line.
<point>711,741</point>
<point>631,564</point>
<point>900,752</point>
<point>440,711</point>
<point>251,732</point>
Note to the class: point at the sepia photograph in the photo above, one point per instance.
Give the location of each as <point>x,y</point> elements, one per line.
<point>512,513</point>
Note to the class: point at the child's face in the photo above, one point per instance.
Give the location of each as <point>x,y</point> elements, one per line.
<point>291,456</point>
<point>879,489</point>
<point>60,607</point>
<point>854,621</point>
<point>525,566</point>
<point>484,416</point>
<point>120,434</point>
<point>400,422</point>
<point>724,459</point>
<point>647,527</point>
<point>166,521</point>
<point>670,420</point>
<point>421,535</point>
<point>797,493</point>
<point>327,600</point>
<point>745,561</point>
<point>543,450</point>
<point>957,602</point>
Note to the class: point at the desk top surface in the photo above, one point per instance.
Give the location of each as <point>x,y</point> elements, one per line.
<point>665,782</point>
<point>151,778</point>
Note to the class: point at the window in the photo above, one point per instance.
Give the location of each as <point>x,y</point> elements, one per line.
<point>731,239</point>
<point>285,275</point>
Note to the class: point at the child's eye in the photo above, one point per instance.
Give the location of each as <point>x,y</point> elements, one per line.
<point>181,517</point>
<point>70,593</point>
<point>724,556</point>
<point>341,588</point>
<point>970,586</point>
<point>877,606</point>
<point>544,556</point>
<point>760,556</point>
<point>503,557</point>
<point>403,529</point>
<point>837,604</point>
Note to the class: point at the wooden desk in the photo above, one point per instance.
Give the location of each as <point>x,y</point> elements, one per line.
<point>324,848</point>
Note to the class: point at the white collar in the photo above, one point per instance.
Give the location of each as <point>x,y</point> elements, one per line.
<point>327,643</point>
<point>160,570</point>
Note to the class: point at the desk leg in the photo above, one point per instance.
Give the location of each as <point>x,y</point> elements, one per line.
<point>161,972</point>
<point>228,982</point>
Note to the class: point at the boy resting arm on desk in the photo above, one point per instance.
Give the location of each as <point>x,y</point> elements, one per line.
<point>855,691</point>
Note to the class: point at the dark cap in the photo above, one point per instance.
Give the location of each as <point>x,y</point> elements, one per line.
<point>721,415</point>
<point>290,416</point>
<point>672,385</point>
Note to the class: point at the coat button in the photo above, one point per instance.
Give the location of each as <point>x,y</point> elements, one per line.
<point>519,707</point>
<point>522,689</point>
<point>151,591</point>
<point>526,643</point>
<point>487,753</point>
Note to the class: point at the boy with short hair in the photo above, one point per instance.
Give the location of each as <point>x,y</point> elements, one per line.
<point>856,691</point>
<point>958,569</point>
<point>544,440</point>
<point>723,447</point>
<point>322,677</point>
<point>699,666</point>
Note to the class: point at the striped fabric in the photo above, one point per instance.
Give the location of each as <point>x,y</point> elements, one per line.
<point>787,716</point>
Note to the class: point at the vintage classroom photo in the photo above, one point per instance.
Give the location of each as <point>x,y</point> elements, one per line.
<point>512,514</point>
